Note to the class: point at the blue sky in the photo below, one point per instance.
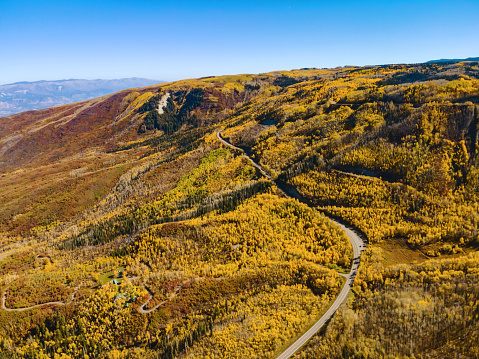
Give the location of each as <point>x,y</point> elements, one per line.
<point>171,40</point>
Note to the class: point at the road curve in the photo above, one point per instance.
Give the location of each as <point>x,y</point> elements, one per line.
<point>27,308</point>
<point>75,290</point>
<point>358,246</point>
<point>142,309</point>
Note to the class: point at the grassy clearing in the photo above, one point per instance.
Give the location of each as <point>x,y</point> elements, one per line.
<point>114,274</point>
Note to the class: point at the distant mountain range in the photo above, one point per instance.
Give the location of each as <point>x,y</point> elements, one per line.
<point>453,60</point>
<point>26,96</point>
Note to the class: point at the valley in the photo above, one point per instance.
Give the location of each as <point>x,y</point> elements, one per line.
<point>192,219</point>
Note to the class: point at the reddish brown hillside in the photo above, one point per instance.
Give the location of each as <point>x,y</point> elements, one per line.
<point>56,162</point>
<point>40,137</point>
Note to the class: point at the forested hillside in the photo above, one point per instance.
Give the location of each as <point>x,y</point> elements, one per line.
<point>128,230</point>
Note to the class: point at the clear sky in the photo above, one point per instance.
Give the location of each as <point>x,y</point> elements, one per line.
<point>171,40</point>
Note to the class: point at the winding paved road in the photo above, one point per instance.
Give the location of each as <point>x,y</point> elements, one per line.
<point>358,246</point>
<point>142,309</point>
<point>356,242</point>
<point>27,308</point>
<point>75,290</point>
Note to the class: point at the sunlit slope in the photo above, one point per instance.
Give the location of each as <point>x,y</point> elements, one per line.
<point>211,260</point>
<point>393,151</point>
<point>66,158</point>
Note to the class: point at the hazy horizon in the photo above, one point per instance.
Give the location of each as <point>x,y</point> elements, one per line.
<point>77,79</point>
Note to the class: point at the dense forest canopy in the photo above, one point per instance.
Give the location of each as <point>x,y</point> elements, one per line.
<point>129,230</point>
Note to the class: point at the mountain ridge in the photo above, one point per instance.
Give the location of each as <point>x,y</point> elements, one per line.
<point>452,60</point>
<point>78,79</point>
